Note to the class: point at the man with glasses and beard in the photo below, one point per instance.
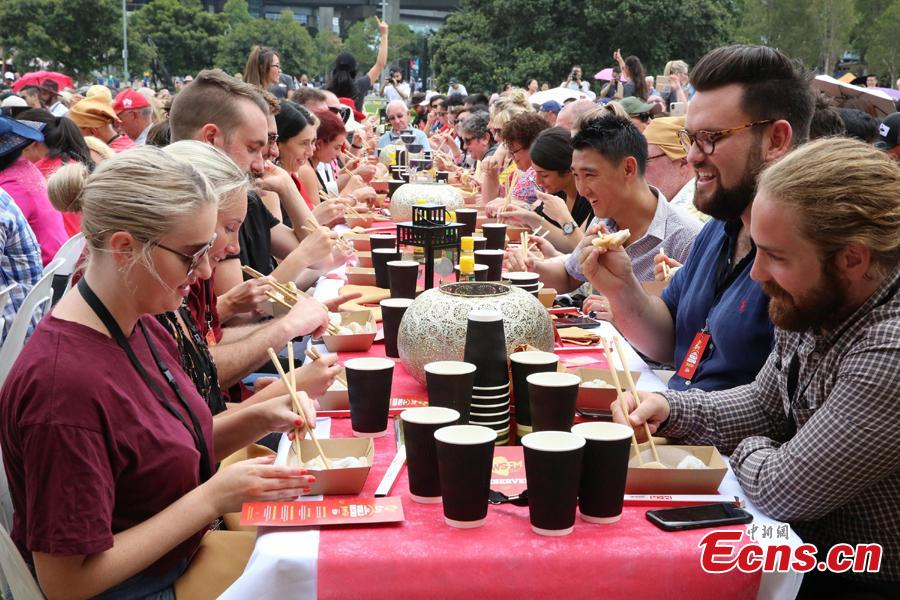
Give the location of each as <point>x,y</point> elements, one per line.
<point>813,439</point>
<point>753,105</point>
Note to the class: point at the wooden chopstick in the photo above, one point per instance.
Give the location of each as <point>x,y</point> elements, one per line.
<point>298,406</point>
<point>619,392</point>
<point>665,267</point>
<point>634,393</point>
<point>278,299</point>
<point>284,291</point>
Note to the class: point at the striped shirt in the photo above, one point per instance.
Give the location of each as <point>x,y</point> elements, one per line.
<point>813,441</point>
<point>20,261</point>
<point>671,229</point>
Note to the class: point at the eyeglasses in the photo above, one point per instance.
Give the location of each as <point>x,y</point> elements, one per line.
<point>273,137</point>
<point>194,259</point>
<point>516,151</point>
<point>706,140</point>
<point>275,66</point>
<point>649,158</point>
<point>468,140</point>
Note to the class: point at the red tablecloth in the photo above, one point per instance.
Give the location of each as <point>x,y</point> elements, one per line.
<point>504,559</point>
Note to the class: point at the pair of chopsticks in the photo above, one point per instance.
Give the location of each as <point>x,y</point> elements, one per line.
<point>284,291</point>
<point>291,384</point>
<point>604,344</point>
<point>313,354</point>
<point>667,270</point>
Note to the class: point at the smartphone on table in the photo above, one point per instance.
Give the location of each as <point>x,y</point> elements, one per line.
<point>699,516</point>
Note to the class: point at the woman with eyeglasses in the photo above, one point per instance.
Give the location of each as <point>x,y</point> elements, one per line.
<point>263,67</point>
<point>110,451</point>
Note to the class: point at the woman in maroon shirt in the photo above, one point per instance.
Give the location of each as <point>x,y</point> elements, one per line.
<point>109,450</point>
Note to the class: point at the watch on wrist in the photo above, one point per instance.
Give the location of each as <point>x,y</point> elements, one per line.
<point>569,228</point>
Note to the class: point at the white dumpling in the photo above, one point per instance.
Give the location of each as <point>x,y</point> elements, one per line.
<point>691,462</point>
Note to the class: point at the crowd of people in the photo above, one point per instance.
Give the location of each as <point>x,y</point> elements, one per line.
<point>762,267</point>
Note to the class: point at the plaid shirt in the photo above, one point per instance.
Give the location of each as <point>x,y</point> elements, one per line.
<point>20,261</point>
<point>825,458</point>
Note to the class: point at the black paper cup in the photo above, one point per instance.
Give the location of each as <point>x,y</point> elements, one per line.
<point>383,240</point>
<point>523,364</point>
<point>380,258</point>
<point>369,390</point>
<point>449,384</point>
<point>465,456</point>
<point>496,235</point>
<point>419,425</point>
<point>522,279</point>
<point>486,349</point>
<point>553,472</point>
<point>479,242</point>
<point>468,217</point>
<point>552,397</point>
<point>395,183</point>
<point>493,259</point>
<point>480,272</point>
<point>392,310</point>
<point>402,276</point>
<point>442,176</point>
<point>604,470</point>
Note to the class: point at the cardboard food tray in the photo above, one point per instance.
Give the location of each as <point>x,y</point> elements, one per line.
<point>599,399</point>
<point>678,481</point>
<point>365,259</point>
<point>360,275</point>
<point>335,397</point>
<point>337,481</point>
<point>360,241</point>
<point>357,342</point>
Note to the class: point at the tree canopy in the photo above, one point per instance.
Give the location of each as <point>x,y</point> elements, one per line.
<point>289,38</point>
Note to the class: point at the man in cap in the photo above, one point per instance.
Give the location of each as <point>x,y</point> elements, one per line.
<point>640,112</point>
<point>667,165</point>
<point>456,88</point>
<point>97,118</point>
<point>51,99</point>
<point>550,110</point>
<point>135,113</point>
<point>12,105</point>
<point>888,133</point>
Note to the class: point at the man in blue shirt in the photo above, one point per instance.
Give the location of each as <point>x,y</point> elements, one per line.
<point>752,106</point>
<point>398,115</point>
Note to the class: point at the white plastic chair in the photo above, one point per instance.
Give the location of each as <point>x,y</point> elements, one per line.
<point>36,300</point>
<point>69,253</point>
<point>15,577</point>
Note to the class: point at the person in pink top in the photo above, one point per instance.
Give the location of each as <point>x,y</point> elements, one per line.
<point>28,188</point>
<point>96,117</point>
<point>63,143</point>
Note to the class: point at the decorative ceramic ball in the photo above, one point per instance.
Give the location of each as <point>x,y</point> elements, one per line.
<point>434,326</point>
<point>433,193</point>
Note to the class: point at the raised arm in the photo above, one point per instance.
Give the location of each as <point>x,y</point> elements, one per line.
<point>381,59</point>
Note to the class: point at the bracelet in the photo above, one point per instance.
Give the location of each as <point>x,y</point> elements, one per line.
<point>355,146</point>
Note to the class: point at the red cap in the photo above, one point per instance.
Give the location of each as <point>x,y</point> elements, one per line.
<point>129,99</point>
<point>359,117</point>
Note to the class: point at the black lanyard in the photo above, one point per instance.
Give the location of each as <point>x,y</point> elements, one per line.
<point>115,331</point>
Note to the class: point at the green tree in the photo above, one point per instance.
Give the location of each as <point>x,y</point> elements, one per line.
<point>362,41</point>
<point>236,12</point>
<point>883,55</point>
<point>286,36</point>
<point>57,33</point>
<point>488,42</point>
<point>817,31</point>
<point>181,36</point>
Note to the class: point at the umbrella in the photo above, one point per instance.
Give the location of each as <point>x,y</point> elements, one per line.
<point>895,94</point>
<point>39,77</point>
<point>559,94</point>
<point>869,100</point>
<point>607,75</point>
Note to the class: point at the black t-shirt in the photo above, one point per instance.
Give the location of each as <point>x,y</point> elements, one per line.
<point>581,210</point>
<point>256,236</point>
<point>361,87</point>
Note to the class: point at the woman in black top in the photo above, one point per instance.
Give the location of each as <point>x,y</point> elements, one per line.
<point>561,211</point>
<point>343,81</point>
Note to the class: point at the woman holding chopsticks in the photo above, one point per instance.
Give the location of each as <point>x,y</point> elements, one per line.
<point>194,324</point>
<point>109,449</point>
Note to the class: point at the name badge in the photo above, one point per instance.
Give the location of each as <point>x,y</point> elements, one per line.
<point>694,355</point>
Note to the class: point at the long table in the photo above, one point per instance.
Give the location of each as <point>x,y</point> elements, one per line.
<point>504,559</point>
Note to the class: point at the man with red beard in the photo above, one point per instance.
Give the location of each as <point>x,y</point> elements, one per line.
<point>753,105</point>
<point>813,439</point>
